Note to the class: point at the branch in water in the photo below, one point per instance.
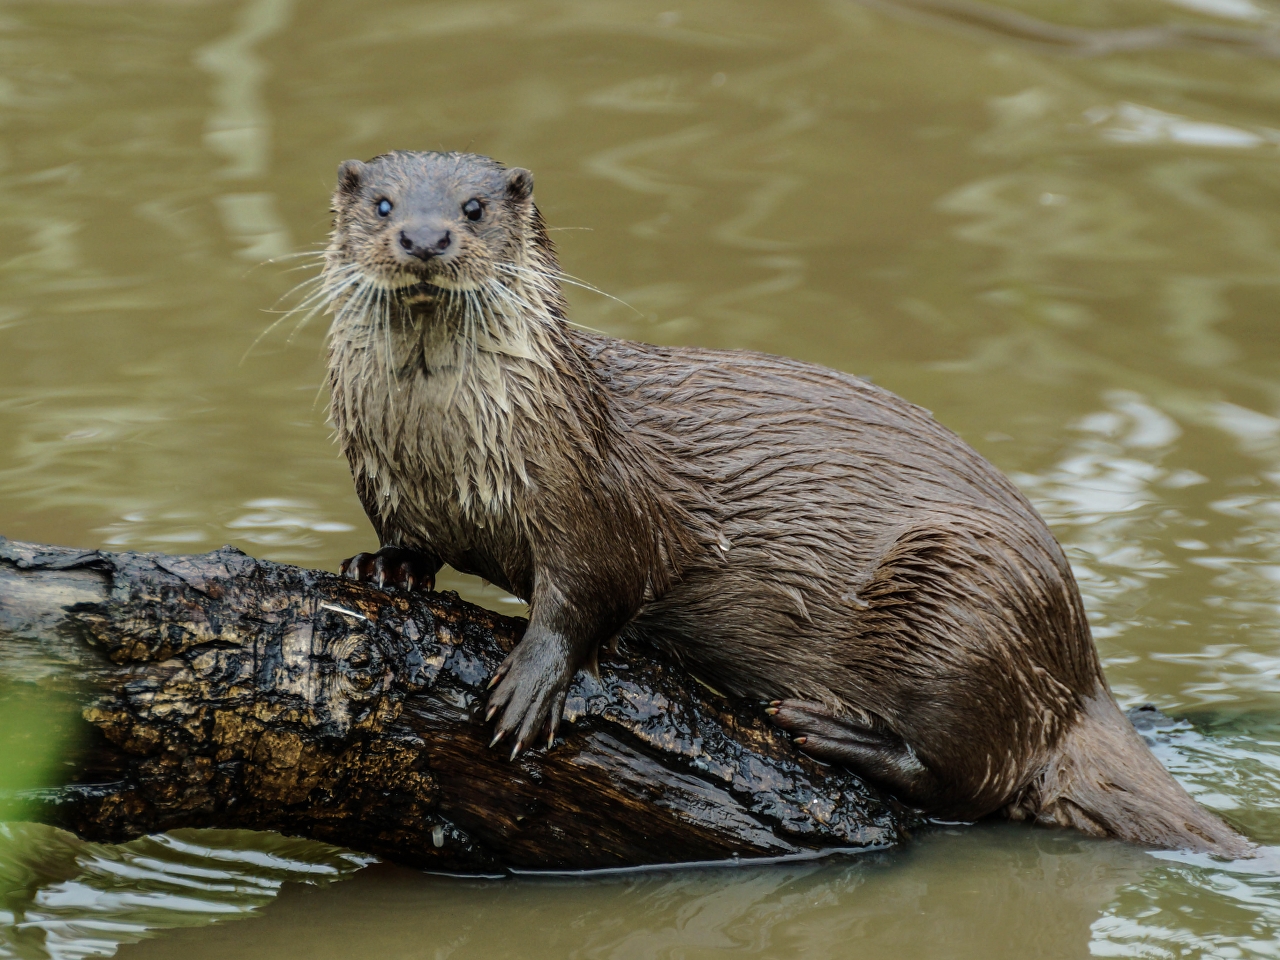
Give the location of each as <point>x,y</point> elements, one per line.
<point>223,691</point>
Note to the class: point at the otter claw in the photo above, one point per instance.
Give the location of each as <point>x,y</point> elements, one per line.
<point>515,751</point>
<point>393,568</point>
<point>771,711</point>
<point>496,737</point>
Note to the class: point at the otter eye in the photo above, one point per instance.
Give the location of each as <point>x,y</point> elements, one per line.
<point>384,207</point>
<point>473,208</point>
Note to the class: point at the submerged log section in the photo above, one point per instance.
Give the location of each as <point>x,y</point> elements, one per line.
<point>224,691</point>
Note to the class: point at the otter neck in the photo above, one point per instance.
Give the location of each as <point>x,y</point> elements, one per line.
<point>457,398</point>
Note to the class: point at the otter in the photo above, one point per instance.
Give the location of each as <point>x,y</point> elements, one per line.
<point>790,533</point>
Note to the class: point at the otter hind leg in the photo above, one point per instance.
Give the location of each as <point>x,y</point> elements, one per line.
<point>393,567</point>
<point>864,745</point>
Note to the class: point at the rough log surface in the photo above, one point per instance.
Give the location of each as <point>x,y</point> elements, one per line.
<point>224,691</point>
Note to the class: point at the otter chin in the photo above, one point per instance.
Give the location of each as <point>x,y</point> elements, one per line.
<point>790,533</point>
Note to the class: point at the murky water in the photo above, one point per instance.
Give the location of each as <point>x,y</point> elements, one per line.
<point>1053,224</point>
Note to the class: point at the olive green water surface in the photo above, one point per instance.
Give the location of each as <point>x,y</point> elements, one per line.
<point>1059,236</point>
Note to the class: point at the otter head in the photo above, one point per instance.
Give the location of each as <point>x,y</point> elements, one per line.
<point>410,222</point>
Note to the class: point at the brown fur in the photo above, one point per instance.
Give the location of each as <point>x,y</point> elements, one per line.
<point>783,529</point>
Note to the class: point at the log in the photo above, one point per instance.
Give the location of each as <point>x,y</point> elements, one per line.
<point>222,691</point>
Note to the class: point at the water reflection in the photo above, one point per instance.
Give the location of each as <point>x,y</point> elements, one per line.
<point>239,127</point>
<point>270,522</point>
<point>1135,516</point>
<point>1133,123</point>
<point>975,892</point>
<point>1041,896</point>
<point>63,899</point>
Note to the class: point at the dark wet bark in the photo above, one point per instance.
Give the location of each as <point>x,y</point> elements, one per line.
<point>225,691</point>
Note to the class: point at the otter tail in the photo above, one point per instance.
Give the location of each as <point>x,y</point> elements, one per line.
<point>1104,781</point>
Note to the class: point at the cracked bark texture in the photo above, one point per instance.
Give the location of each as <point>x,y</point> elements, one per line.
<point>223,691</point>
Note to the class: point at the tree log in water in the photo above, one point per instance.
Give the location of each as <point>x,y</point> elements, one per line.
<point>223,691</point>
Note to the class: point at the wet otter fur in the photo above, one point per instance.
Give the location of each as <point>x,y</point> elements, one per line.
<point>789,532</point>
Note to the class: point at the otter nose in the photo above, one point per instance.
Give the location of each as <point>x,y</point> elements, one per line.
<point>425,242</point>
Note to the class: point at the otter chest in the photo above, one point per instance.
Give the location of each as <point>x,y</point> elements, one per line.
<point>439,453</point>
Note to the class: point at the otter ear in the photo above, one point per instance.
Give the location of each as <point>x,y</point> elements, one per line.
<point>349,172</point>
<point>519,184</point>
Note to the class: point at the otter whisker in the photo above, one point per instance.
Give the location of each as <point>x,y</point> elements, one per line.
<point>481,323</point>
<point>312,304</point>
<point>319,306</point>
<point>562,277</point>
<point>495,308</point>
<point>470,326</point>
<point>510,308</point>
<point>330,291</point>
<point>285,256</point>
<point>458,308</point>
<point>507,301</point>
<point>515,299</point>
<point>319,278</point>
<point>559,278</point>
<point>300,253</point>
<point>309,304</point>
<point>350,306</point>
<point>367,293</point>
<point>312,256</point>
<point>318,262</point>
<point>539,285</point>
<point>385,317</point>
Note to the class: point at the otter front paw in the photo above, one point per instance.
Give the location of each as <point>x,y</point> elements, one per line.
<point>531,686</point>
<point>393,567</point>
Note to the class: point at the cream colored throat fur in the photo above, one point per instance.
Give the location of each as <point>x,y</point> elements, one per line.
<point>453,398</point>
